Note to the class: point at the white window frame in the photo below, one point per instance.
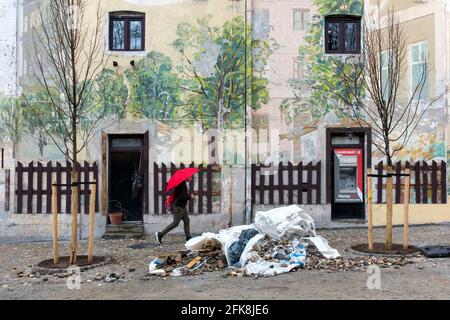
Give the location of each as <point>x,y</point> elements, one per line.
<point>410,66</point>
<point>303,26</point>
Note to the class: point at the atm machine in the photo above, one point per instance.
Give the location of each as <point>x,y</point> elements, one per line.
<point>348,181</point>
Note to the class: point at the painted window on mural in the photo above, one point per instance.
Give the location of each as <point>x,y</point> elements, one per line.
<point>342,34</point>
<point>301,19</point>
<point>126,31</point>
<point>419,65</point>
<point>297,69</point>
<point>260,24</point>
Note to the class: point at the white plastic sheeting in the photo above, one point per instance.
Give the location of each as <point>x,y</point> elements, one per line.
<point>285,223</point>
<point>225,237</point>
<point>322,245</point>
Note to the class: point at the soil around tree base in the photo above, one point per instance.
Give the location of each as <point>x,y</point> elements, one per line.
<point>379,248</point>
<point>47,266</point>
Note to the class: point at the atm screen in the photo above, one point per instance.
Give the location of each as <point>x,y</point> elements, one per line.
<point>347,180</point>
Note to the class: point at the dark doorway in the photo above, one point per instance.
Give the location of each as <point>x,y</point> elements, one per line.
<point>127,168</point>
<point>347,156</point>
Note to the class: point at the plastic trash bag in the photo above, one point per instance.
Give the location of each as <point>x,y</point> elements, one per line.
<point>285,223</point>
<point>153,267</point>
<point>226,237</point>
<point>237,247</point>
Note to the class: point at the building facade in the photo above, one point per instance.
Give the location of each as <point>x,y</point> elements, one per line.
<point>231,84</point>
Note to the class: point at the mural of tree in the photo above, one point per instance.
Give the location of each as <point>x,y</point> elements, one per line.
<point>215,78</point>
<point>154,90</point>
<point>11,121</point>
<point>35,126</point>
<point>111,94</point>
<point>310,92</point>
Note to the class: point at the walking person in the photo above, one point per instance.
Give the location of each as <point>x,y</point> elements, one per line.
<point>181,196</point>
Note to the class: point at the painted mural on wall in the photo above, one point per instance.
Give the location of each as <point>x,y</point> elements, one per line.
<point>209,84</point>
<point>313,105</point>
<point>311,98</point>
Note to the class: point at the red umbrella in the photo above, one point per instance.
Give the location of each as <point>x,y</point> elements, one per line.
<point>180,176</point>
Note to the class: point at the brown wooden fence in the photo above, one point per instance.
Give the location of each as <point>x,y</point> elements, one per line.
<point>428,182</point>
<point>301,183</point>
<point>201,185</point>
<point>34,186</point>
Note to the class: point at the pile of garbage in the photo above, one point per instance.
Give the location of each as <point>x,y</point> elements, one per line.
<point>275,243</point>
<point>187,262</point>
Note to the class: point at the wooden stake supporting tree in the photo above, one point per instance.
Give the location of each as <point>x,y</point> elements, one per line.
<point>91,223</point>
<point>389,209</point>
<point>406,210</point>
<point>369,209</point>
<point>55,223</point>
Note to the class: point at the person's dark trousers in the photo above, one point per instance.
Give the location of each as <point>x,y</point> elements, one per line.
<point>178,215</point>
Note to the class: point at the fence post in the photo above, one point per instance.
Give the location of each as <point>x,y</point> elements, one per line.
<point>369,209</point>
<point>55,223</point>
<point>380,183</point>
<point>406,212</point>
<point>434,183</point>
<point>91,220</point>
<point>253,189</point>
<point>300,183</point>
<point>443,182</point>
<point>30,188</point>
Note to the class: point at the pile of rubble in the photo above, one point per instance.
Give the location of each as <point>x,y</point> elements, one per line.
<point>187,262</point>
<point>315,261</point>
<point>281,240</point>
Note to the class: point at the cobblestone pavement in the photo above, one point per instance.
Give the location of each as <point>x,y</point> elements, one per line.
<point>124,277</point>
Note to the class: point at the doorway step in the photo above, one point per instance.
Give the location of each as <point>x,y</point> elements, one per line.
<point>125,230</point>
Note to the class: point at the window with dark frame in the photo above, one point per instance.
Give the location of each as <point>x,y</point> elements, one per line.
<point>342,34</point>
<point>126,31</point>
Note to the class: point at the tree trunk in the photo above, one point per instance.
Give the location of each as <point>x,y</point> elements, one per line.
<point>388,244</point>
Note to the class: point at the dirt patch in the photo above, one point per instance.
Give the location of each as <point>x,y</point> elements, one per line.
<point>379,248</point>
<point>48,266</point>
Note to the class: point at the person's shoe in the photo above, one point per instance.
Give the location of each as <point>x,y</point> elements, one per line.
<point>158,237</point>
<point>188,238</point>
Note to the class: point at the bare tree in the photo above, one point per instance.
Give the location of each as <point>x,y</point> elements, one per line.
<point>375,94</point>
<point>69,53</point>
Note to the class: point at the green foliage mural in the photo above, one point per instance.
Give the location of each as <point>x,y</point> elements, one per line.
<point>111,93</point>
<point>11,121</point>
<point>215,79</point>
<point>154,88</point>
<point>310,92</point>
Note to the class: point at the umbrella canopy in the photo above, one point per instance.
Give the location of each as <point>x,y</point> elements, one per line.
<point>180,176</point>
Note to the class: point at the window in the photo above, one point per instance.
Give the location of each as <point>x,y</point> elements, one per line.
<point>126,31</point>
<point>260,24</point>
<point>419,65</point>
<point>342,34</point>
<point>297,69</point>
<point>301,19</point>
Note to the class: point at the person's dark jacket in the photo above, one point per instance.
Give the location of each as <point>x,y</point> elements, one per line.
<point>181,195</point>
